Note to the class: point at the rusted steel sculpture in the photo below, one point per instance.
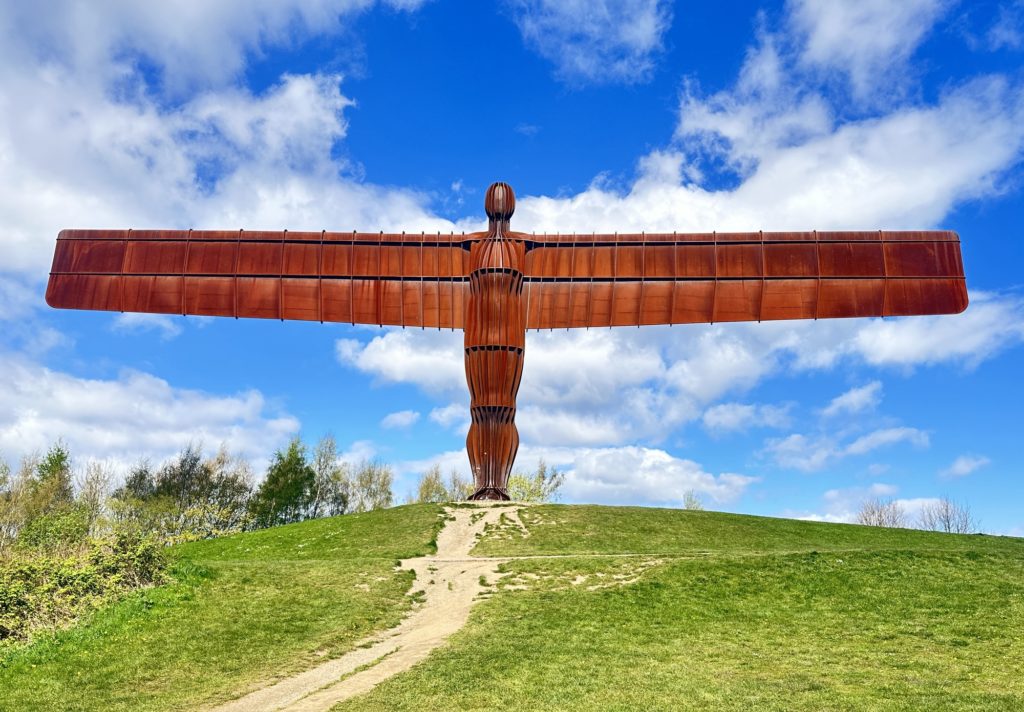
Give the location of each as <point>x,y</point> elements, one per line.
<point>497,284</point>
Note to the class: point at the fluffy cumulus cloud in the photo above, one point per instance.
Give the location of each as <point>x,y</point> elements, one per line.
<point>595,41</point>
<point>88,141</point>
<point>120,419</point>
<point>614,475</point>
<point>867,40</point>
<point>623,385</point>
<point>127,114</point>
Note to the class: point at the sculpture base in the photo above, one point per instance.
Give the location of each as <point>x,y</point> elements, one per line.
<point>490,493</point>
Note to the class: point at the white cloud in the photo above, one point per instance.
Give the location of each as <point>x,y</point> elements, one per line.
<point>167,326</point>
<point>430,359</point>
<point>855,400</point>
<point>618,386</point>
<point>729,417</point>
<point>965,465</point>
<point>989,325</point>
<point>133,415</point>
<point>884,437</point>
<point>811,453</point>
<point>595,41</point>
<point>614,475</point>
<point>400,419</point>
<point>453,415</point>
<point>842,504</point>
<point>191,42</point>
<point>1008,30</point>
<point>868,40</point>
<point>359,451</point>
<point>92,153</point>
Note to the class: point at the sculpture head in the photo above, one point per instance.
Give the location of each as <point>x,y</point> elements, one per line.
<point>500,201</point>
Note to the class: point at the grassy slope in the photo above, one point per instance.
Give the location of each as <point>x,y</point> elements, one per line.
<point>242,607</point>
<point>741,613</point>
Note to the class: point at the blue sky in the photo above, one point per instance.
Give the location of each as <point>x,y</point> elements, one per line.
<point>628,115</point>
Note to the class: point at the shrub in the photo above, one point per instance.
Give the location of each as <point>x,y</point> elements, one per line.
<point>44,591</point>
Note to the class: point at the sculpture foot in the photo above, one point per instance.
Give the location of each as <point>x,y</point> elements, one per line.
<point>490,493</point>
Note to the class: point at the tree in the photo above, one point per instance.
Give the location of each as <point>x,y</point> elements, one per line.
<point>287,493</point>
<point>459,488</point>
<point>53,476</point>
<point>226,504</point>
<point>431,487</point>
<point>332,487</point>
<point>93,491</point>
<point>692,501</point>
<point>139,483</point>
<point>190,497</point>
<point>541,485</point>
<point>882,513</point>
<point>371,487</point>
<point>18,499</point>
<point>945,515</point>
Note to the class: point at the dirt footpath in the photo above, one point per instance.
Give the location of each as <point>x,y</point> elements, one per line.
<point>451,582</point>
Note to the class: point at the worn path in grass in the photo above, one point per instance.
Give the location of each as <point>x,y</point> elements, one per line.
<point>450,582</point>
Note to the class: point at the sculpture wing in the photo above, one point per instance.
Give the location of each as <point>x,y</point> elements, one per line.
<point>630,280</point>
<point>359,278</point>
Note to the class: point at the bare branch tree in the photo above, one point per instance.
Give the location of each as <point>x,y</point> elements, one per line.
<point>945,515</point>
<point>876,512</point>
<point>692,501</point>
<point>93,491</point>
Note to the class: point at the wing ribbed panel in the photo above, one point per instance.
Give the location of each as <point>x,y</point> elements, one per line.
<point>360,278</point>
<point>630,280</point>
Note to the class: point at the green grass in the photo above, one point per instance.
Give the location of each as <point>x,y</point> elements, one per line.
<point>243,608</point>
<point>732,612</point>
<point>558,529</point>
<point>717,611</point>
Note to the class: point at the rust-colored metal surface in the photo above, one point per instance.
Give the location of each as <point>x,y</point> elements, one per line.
<point>497,284</point>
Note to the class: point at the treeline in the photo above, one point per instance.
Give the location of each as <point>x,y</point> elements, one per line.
<point>70,541</point>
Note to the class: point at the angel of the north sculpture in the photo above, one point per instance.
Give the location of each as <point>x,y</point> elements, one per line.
<point>495,285</point>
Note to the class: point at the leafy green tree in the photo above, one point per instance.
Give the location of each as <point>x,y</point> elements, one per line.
<point>188,498</point>
<point>541,485</point>
<point>53,477</point>
<point>287,493</point>
<point>431,487</point>
<point>139,483</point>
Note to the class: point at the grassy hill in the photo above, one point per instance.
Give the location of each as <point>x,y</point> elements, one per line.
<point>615,608</point>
